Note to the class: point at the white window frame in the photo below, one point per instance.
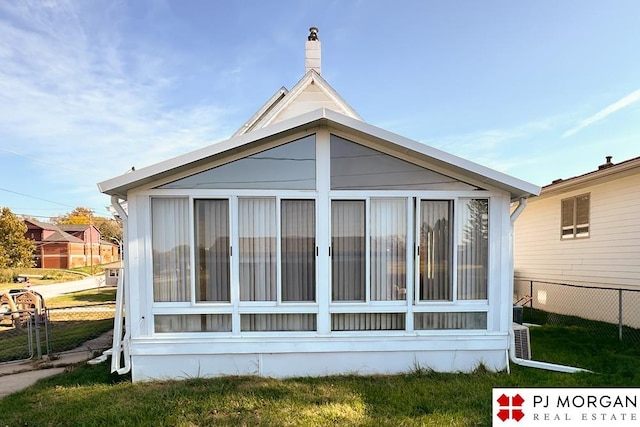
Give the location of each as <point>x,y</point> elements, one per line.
<point>575,226</point>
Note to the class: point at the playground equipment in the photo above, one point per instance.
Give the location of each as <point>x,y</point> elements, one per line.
<point>22,306</point>
<point>24,310</point>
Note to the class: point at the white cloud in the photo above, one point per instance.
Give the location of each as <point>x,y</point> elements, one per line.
<point>624,102</point>
<point>74,90</point>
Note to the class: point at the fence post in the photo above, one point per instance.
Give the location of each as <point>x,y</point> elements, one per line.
<point>531,300</point>
<point>36,318</point>
<point>620,314</point>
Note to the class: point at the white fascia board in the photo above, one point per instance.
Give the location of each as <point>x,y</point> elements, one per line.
<point>269,105</point>
<point>121,184</point>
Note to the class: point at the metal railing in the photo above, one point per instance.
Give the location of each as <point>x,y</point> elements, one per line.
<point>28,335</point>
<point>607,310</point>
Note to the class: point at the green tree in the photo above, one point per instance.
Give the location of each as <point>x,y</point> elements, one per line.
<point>79,215</point>
<point>15,249</point>
<point>110,229</point>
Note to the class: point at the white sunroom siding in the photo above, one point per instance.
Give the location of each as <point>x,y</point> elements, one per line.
<point>609,256</point>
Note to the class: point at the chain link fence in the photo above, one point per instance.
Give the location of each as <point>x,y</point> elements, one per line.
<point>28,334</point>
<point>607,311</point>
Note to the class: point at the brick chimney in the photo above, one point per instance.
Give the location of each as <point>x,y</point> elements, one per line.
<point>312,55</point>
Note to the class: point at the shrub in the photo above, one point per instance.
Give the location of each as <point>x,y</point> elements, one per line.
<point>6,275</point>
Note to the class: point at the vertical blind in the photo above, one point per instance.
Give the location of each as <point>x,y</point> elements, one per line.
<point>258,256</point>
<point>363,235</point>
<point>435,250</point>
<point>348,250</point>
<point>212,250</point>
<point>473,249</point>
<point>171,247</point>
<point>388,249</point>
<point>298,250</point>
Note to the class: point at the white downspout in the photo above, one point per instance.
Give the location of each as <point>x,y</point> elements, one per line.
<point>121,343</point>
<point>522,203</point>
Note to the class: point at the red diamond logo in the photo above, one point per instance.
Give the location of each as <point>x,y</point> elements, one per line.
<point>510,407</point>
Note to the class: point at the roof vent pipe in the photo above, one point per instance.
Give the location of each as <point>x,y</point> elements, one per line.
<point>312,52</point>
<point>607,164</point>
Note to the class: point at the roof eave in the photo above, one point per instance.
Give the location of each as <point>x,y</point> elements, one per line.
<point>626,167</point>
<point>119,186</point>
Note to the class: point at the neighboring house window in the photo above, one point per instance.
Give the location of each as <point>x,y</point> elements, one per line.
<point>575,217</point>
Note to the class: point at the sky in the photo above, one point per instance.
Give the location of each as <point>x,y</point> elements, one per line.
<point>538,90</point>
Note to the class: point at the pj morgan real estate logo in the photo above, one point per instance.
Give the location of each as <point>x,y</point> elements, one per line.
<point>566,407</point>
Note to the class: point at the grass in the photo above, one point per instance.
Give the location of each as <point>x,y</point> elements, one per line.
<point>90,270</point>
<point>92,296</point>
<point>89,395</point>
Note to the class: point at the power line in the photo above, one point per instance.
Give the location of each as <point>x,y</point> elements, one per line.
<point>38,160</point>
<point>37,198</point>
<point>49,201</point>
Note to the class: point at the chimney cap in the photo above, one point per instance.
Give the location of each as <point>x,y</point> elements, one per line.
<point>608,163</point>
<point>313,34</point>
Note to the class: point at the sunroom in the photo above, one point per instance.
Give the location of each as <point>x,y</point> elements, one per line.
<point>314,246</point>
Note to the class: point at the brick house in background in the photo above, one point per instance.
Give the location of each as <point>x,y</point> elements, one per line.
<point>68,246</point>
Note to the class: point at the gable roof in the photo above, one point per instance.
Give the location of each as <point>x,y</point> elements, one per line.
<point>76,227</point>
<point>606,171</point>
<point>310,93</point>
<point>323,117</point>
<point>61,236</point>
<point>42,225</point>
<point>58,234</point>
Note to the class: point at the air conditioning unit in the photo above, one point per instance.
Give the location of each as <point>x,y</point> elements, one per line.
<point>522,341</point>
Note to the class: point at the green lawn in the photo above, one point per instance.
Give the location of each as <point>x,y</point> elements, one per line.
<point>89,395</point>
<point>91,296</point>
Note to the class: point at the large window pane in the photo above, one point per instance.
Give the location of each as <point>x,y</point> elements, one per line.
<point>298,246</point>
<point>212,250</point>
<point>170,246</point>
<point>473,249</point>
<point>291,166</point>
<point>348,262</point>
<point>435,250</point>
<point>354,166</point>
<point>258,260</point>
<point>388,249</point>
